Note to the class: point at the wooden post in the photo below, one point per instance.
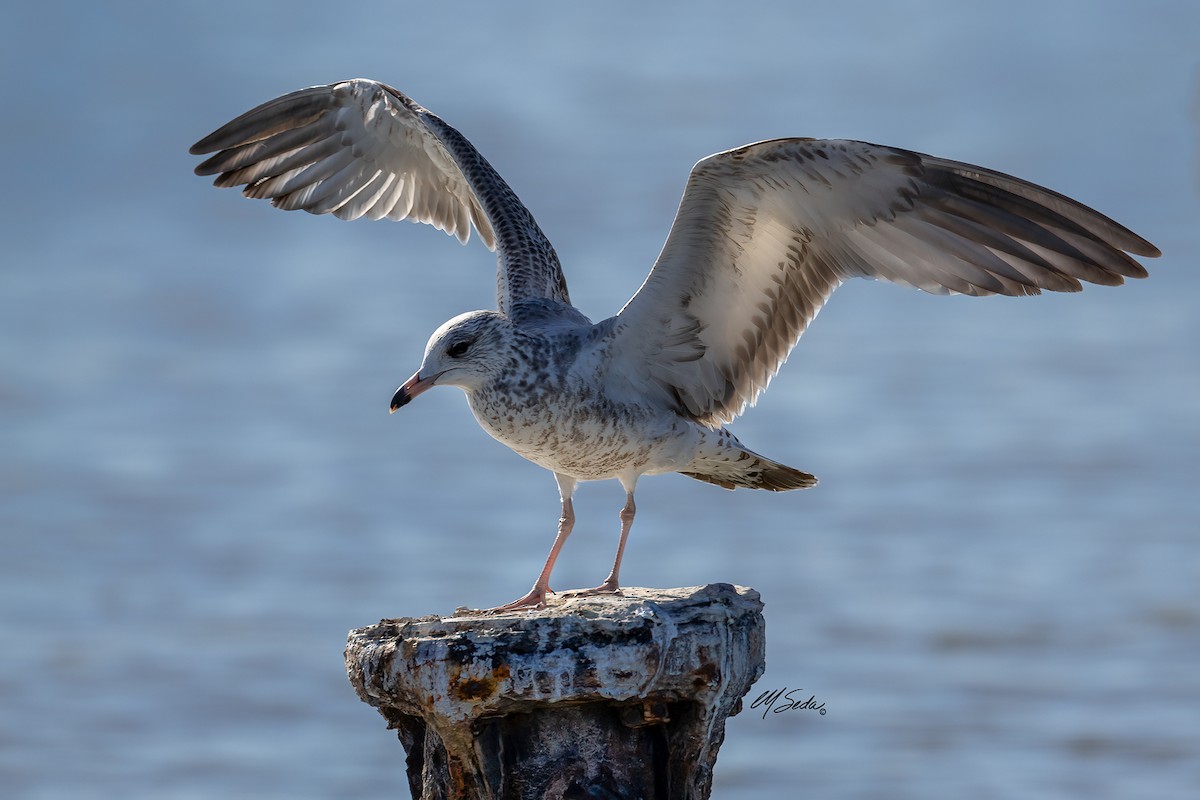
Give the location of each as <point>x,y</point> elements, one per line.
<point>592,697</point>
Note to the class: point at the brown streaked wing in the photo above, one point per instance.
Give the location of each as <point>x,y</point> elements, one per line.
<point>765,233</point>
<point>361,148</point>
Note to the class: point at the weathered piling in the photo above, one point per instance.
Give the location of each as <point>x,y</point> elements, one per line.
<point>591,697</point>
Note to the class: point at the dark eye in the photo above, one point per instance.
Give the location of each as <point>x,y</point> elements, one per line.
<point>458,349</point>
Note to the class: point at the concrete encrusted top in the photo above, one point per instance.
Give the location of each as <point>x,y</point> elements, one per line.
<point>667,644</point>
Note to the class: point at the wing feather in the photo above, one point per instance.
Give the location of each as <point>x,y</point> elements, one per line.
<point>360,148</point>
<point>765,233</point>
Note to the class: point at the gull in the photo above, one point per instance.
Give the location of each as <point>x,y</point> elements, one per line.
<point>763,236</point>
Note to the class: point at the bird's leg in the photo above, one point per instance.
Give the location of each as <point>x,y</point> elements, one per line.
<point>536,598</point>
<point>612,584</point>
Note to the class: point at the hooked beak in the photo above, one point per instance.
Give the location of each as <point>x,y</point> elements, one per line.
<point>411,388</point>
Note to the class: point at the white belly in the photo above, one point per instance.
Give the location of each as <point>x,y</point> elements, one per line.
<point>589,440</point>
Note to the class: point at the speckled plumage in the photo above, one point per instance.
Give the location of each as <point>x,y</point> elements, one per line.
<point>764,234</point>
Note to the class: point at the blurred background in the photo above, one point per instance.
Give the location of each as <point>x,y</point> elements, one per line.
<point>993,590</point>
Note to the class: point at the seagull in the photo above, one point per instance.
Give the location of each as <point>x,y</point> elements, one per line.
<point>763,236</point>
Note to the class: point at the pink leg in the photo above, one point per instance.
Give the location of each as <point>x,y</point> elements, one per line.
<point>541,587</point>
<point>612,584</point>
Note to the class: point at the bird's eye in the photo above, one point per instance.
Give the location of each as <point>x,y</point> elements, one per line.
<point>458,349</point>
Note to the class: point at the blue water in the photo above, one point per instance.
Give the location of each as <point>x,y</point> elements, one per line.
<point>993,590</point>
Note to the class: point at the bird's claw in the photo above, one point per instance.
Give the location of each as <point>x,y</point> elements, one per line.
<point>610,586</point>
<point>535,599</point>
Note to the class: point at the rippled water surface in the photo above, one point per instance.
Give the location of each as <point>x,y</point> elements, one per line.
<point>993,590</point>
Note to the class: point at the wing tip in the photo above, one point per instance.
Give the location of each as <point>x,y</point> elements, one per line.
<point>1146,250</point>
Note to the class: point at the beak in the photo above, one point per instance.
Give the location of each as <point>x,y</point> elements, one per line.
<point>411,388</point>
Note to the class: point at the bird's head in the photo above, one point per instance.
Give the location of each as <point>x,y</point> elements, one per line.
<point>467,352</point>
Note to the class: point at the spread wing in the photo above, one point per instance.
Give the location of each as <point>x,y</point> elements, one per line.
<point>361,148</point>
<point>766,232</point>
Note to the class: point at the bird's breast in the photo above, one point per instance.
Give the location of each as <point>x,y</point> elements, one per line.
<point>586,436</point>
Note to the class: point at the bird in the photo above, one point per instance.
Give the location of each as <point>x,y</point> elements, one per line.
<point>763,235</point>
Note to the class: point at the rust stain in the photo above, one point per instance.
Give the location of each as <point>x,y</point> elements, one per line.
<point>479,688</point>
<point>705,676</point>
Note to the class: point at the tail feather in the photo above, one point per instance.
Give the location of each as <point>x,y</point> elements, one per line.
<point>745,468</point>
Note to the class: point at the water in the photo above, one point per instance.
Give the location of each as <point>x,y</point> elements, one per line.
<point>992,590</point>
